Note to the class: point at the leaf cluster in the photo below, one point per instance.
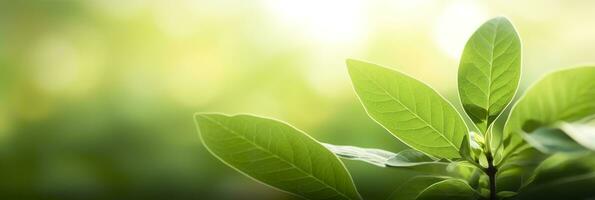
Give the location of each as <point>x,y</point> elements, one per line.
<point>544,150</point>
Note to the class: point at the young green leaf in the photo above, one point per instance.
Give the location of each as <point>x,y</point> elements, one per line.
<point>414,186</point>
<point>489,71</point>
<point>276,154</point>
<point>409,109</point>
<point>565,95</point>
<point>454,189</point>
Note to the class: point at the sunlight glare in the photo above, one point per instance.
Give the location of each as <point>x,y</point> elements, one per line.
<point>332,21</point>
<point>454,26</point>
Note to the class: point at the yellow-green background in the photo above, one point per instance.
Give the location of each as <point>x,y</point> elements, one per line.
<point>97,97</point>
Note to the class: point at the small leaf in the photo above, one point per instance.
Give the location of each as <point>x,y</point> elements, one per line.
<point>409,109</point>
<point>414,186</point>
<point>276,154</point>
<point>506,194</point>
<point>489,71</point>
<point>562,176</point>
<point>454,189</point>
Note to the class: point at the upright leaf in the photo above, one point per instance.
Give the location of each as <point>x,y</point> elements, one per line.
<point>276,154</point>
<point>489,71</point>
<point>565,95</point>
<point>454,189</point>
<point>409,109</point>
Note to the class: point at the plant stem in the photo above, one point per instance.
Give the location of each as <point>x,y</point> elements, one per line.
<point>491,172</point>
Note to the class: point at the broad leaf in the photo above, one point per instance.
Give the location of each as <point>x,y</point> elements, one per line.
<point>454,189</point>
<point>489,71</point>
<point>414,186</point>
<point>565,95</point>
<point>409,109</point>
<point>562,176</point>
<point>276,154</point>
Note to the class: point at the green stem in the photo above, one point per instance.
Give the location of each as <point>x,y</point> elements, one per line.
<point>491,172</point>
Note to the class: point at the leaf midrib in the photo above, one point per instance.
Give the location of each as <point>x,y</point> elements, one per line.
<point>491,63</point>
<point>276,156</point>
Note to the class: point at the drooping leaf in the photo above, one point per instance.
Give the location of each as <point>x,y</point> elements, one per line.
<point>565,95</point>
<point>409,109</point>
<point>552,140</point>
<point>414,186</point>
<point>562,176</point>
<point>568,137</point>
<point>409,158</point>
<point>276,154</point>
<point>454,189</point>
<point>581,131</point>
<point>376,157</point>
<point>489,71</point>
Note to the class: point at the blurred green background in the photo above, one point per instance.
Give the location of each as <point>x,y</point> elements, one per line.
<point>97,97</point>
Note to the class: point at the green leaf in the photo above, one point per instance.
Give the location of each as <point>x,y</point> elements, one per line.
<point>454,189</point>
<point>582,131</point>
<point>517,169</point>
<point>489,71</point>
<point>568,137</point>
<point>565,95</point>
<point>405,159</point>
<point>376,157</point>
<point>506,194</point>
<point>410,158</point>
<point>409,109</point>
<point>276,154</point>
<point>562,176</point>
<point>552,140</point>
<point>414,186</point>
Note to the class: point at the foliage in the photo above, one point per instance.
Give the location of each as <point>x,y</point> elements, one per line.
<point>544,150</point>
